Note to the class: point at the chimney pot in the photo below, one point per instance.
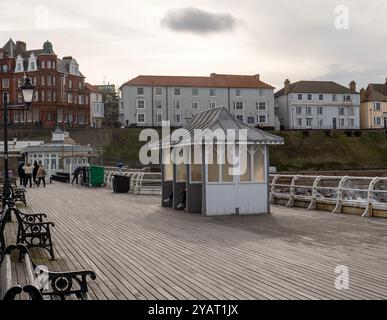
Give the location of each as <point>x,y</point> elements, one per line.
<point>21,47</point>
<point>352,86</point>
<point>257,76</point>
<point>287,84</point>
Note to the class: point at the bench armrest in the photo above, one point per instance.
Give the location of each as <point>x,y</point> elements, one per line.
<point>43,224</point>
<point>32,217</point>
<point>63,284</point>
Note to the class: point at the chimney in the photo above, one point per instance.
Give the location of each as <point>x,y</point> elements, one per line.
<point>21,47</point>
<point>362,94</point>
<point>352,86</point>
<point>286,84</point>
<point>257,76</point>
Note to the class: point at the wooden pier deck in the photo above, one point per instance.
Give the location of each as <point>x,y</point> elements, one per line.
<point>142,251</point>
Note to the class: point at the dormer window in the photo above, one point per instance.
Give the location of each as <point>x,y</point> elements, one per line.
<point>32,62</point>
<point>19,64</point>
<point>74,68</point>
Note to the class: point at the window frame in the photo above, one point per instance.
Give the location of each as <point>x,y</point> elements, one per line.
<point>235,105</point>
<point>137,105</point>
<point>140,114</point>
<point>138,91</point>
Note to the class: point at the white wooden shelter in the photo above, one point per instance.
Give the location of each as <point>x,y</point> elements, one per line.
<point>210,188</point>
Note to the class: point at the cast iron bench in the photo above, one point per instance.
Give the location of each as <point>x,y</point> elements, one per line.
<point>19,195</point>
<point>41,284</point>
<point>32,231</point>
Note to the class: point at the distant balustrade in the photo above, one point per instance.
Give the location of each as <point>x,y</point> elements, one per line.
<point>141,182</point>
<point>367,193</point>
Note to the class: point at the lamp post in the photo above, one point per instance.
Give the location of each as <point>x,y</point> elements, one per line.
<point>28,95</point>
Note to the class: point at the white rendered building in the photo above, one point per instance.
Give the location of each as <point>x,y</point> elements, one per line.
<point>318,105</point>
<point>146,101</point>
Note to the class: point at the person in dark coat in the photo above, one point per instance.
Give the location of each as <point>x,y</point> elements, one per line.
<point>21,173</point>
<point>35,172</point>
<point>76,173</point>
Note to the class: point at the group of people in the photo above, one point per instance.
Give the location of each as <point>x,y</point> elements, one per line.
<point>29,174</point>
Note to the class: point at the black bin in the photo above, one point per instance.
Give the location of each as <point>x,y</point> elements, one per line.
<point>121,184</point>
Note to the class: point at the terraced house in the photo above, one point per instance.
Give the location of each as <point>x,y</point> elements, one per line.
<point>146,101</point>
<point>373,108</point>
<point>60,95</point>
<point>318,105</point>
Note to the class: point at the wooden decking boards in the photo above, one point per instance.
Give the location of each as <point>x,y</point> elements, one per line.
<point>142,251</point>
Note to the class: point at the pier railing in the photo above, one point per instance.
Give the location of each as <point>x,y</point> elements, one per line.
<point>141,182</point>
<point>367,193</point>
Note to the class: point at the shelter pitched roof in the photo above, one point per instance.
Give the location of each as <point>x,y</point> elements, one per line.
<point>216,119</point>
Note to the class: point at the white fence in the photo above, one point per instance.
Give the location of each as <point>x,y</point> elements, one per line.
<point>141,182</point>
<point>368,193</point>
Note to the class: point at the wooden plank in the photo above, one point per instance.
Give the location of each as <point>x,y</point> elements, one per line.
<point>142,251</point>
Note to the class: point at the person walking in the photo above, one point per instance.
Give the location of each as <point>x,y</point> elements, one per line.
<point>41,175</point>
<point>21,173</point>
<point>28,169</point>
<point>35,172</point>
<point>76,173</point>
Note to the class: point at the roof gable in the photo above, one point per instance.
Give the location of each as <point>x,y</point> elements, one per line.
<point>314,87</point>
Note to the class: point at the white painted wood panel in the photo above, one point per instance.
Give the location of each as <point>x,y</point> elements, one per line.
<point>223,199</point>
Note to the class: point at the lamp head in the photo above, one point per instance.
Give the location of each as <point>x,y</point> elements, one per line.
<point>28,91</point>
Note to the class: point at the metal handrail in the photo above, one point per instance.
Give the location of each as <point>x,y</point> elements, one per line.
<point>340,191</point>
<point>140,181</point>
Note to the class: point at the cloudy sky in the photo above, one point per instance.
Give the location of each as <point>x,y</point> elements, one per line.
<point>117,40</point>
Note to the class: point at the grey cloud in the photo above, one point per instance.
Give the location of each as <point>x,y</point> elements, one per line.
<point>197,21</point>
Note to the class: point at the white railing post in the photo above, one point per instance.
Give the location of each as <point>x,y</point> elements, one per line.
<point>273,182</point>
<point>339,195</point>
<point>369,208</point>
<point>292,191</point>
<point>312,204</point>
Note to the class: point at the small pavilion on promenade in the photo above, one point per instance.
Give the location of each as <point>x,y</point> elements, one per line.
<point>224,176</point>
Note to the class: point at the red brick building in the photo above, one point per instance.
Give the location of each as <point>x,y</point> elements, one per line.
<point>60,94</point>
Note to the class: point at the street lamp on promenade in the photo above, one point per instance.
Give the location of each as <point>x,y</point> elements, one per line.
<point>28,95</point>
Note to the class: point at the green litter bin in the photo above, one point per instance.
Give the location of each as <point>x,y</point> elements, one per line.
<point>96,176</point>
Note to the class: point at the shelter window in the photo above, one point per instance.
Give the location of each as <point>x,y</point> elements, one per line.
<point>181,173</point>
<point>213,166</point>
<point>259,165</point>
<point>226,167</point>
<point>168,166</point>
<point>196,169</point>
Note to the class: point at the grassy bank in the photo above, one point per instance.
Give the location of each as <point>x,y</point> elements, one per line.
<point>338,152</point>
<point>300,152</point>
